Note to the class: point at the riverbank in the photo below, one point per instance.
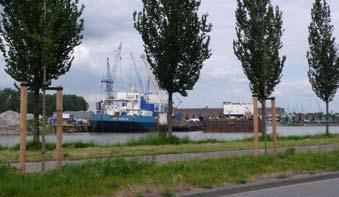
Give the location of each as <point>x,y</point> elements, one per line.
<point>306,124</point>
<point>154,146</point>
<point>118,138</point>
<point>133,178</point>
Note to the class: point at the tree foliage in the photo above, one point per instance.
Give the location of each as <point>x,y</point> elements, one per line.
<point>29,40</point>
<point>259,31</point>
<point>322,55</point>
<point>38,33</point>
<point>176,43</point>
<point>10,100</point>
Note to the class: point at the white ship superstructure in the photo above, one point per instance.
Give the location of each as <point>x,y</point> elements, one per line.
<point>128,103</point>
<point>132,102</point>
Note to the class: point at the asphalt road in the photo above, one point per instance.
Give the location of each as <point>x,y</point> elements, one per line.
<point>326,188</point>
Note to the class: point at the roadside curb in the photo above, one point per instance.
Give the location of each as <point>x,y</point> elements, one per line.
<point>262,184</point>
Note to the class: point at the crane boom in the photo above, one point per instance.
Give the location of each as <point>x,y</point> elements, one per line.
<point>153,80</point>
<point>137,73</point>
<point>116,63</point>
<point>108,81</point>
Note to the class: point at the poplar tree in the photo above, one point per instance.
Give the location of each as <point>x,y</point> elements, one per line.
<point>259,31</point>
<point>176,43</point>
<point>33,35</point>
<point>322,55</point>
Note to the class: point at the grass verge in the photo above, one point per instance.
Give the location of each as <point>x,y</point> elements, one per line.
<point>132,178</point>
<point>153,146</point>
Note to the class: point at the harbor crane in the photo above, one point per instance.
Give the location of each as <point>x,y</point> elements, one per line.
<point>137,73</point>
<point>153,80</point>
<point>319,108</point>
<point>179,102</point>
<point>116,62</point>
<point>111,73</point>
<point>108,81</point>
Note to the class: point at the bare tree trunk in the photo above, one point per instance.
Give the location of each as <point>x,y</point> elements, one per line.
<point>169,114</point>
<point>263,125</point>
<point>36,124</point>
<point>327,119</point>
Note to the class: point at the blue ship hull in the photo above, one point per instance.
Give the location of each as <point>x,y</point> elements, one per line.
<point>122,124</point>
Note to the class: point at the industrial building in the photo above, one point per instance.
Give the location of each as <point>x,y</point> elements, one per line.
<point>198,113</point>
<point>229,110</point>
<point>237,110</point>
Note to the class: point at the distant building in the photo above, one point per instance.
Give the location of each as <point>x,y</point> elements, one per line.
<point>280,113</point>
<point>196,113</point>
<point>237,110</point>
<point>229,110</point>
<point>310,118</point>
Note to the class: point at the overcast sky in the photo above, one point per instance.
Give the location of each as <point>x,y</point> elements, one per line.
<point>107,22</point>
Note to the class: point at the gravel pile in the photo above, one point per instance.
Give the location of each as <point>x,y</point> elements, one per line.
<point>9,123</point>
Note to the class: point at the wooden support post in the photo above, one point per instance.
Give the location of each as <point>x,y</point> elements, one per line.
<point>58,154</point>
<point>23,128</point>
<point>274,126</point>
<point>256,125</point>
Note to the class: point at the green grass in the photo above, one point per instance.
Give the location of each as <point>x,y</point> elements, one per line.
<point>162,140</point>
<point>154,146</point>
<point>137,178</point>
<point>33,146</point>
<point>296,137</point>
<point>149,140</point>
<point>3,148</point>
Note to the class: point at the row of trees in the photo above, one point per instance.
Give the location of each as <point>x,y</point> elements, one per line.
<point>176,43</point>
<point>42,34</point>
<point>10,100</point>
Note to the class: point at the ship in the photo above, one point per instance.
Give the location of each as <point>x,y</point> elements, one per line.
<point>130,111</point>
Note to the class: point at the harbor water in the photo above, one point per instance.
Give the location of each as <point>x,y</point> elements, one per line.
<point>115,138</point>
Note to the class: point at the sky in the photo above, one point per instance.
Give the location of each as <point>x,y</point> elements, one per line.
<point>109,22</point>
